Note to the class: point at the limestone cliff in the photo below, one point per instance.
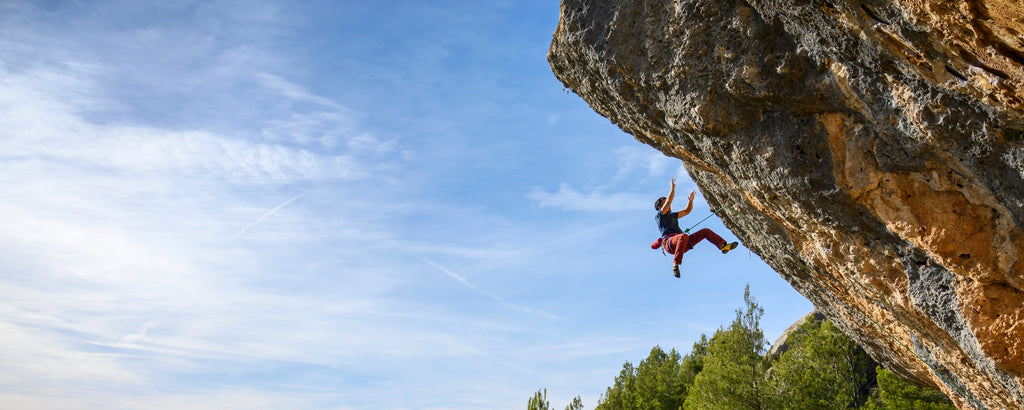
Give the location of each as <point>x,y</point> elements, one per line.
<point>872,152</point>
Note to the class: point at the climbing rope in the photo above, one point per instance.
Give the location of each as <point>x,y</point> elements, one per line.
<point>713,213</point>
<point>687,230</point>
<point>824,283</point>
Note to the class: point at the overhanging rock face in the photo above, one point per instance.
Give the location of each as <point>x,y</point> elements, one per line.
<point>871,152</point>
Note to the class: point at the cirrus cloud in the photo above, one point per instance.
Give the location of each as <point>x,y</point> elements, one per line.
<point>570,199</point>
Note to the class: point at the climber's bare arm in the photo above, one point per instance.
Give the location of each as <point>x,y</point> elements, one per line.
<point>689,205</point>
<point>667,206</point>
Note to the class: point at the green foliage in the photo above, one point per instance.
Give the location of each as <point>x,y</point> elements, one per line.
<point>734,368</point>
<point>693,363</point>
<point>824,369</point>
<point>894,393</point>
<point>659,382</point>
<point>576,404</point>
<point>539,401</point>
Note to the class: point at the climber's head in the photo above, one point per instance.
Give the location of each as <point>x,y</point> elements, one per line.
<point>659,203</point>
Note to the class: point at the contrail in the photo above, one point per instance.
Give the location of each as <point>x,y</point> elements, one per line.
<point>497,298</point>
<point>264,216</point>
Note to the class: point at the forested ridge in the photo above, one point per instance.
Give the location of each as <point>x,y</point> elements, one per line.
<point>821,368</point>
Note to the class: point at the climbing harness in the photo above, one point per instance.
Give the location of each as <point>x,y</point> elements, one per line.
<point>824,283</point>
<point>664,240</point>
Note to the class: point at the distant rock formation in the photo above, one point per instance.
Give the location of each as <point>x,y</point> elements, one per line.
<point>781,344</point>
<point>872,152</point>
<point>865,373</point>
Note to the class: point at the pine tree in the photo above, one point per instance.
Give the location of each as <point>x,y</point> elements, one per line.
<point>734,367</point>
<point>657,383</point>
<point>824,369</point>
<point>576,404</point>
<point>693,363</point>
<point>894,393</point>
<point>539,401</point>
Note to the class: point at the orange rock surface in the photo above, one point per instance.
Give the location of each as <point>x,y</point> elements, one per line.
<point>871,152</point>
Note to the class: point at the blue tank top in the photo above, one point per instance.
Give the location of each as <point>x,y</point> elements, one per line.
<point>668,223</point>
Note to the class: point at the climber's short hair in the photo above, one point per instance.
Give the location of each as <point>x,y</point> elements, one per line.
<point>659,202</point>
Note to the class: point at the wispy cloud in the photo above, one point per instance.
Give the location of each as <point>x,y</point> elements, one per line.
<point>295,92</point>
<point>553,244</point>
<point>635,165</point>
<point>152,230</point>
<point>121,271</point>
<point>120,246</point>
<point>570,199</point>
<point>310,118</point>
<point>644,162</point>
<point>47,123</point>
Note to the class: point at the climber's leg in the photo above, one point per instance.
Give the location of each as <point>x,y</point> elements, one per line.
<point>714,238</point>
<point>709,235</point>
<point>678,245</point>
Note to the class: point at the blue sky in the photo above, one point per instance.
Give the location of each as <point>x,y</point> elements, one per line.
<point>343,205</point>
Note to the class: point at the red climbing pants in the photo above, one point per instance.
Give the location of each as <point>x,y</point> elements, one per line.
<point>679,244</point>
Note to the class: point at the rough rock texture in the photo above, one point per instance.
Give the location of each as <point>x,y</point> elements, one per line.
<point>872,152</point>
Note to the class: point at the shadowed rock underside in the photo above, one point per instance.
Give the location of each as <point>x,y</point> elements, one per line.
<point>871,152</point>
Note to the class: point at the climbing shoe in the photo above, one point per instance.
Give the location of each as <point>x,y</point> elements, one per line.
<point>729,246</point>
<point>675,270</point>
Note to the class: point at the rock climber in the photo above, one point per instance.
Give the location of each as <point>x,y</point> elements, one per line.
<point>673,239</point>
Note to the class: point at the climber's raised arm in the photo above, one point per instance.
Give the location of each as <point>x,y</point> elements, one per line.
<point>677,241</point>
<point>666,205</point>
<point>689,205</point>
